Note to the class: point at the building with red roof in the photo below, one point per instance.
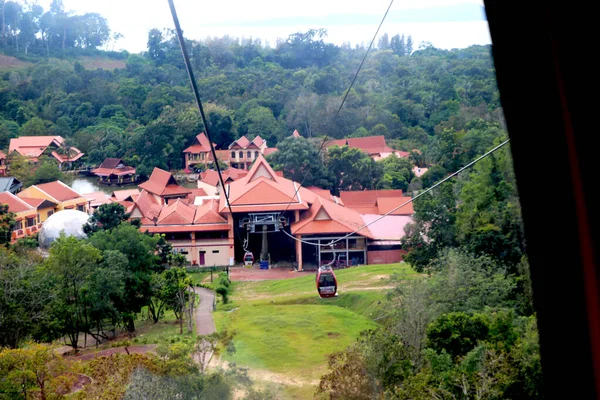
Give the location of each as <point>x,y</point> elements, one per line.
<point>163,186</point>
<point>374,146</point>
<point>114,172</point>
<point>377,202</point>
<point>26,216</point>
<point>57,192</point>
<point>34,147</point>
<point>198,153</point>
<point>300,222</point>
<point>244,152</point>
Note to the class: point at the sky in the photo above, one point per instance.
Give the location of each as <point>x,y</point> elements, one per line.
<point>444,23</point>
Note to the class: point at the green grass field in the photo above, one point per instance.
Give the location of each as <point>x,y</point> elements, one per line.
<point>283,327</point>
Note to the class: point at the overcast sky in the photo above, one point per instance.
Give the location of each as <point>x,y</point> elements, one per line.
<point>452,23</point>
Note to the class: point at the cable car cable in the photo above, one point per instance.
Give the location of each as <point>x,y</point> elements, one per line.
<point>188,67</point>
<point>407,202</point>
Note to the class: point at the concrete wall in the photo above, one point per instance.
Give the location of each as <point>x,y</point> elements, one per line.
<point>216,251</point>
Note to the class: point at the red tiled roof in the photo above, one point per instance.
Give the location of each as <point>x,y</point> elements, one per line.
<point>15,204</point>
<point>390,227</point>
<point>270,150</point>
<point>201,145</point>
<point>128,205</point>
<point>296,133</point>
<point>258,141</point>
<point>97,198</point>
<point>113,166</point>
<point>210,177</point>
<point>75,155</point>
<point>385,205</point>
<point>368,144</point>
<point>235,173</point>
<point>195,193</point>
<point>176,213</point>
<point>2,155</point>
<point>162,183</point>
<point>262,189</point>
<point>325,217</point>
<point>208,213</point>
<point>147,205</point>
<point>33,146</point>
<point>183,228</point>
<point>367,197</point>
<point>326,194</point>
<point>242,142</point>
<point>58,191</point>
<point>124,194</point>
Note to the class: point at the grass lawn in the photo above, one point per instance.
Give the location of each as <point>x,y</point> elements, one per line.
<point>283,327</point>
<point>349,279</point>
<point>290,339</point>
<point>165,329</point>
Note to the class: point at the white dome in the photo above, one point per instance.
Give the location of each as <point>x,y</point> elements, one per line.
<point>68,221</point>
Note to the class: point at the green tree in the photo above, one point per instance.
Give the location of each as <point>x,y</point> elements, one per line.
<point>69,265</point>
<point>351,169</point>
<point>297,158</point>
<point>106,217</point>
<point>7,223</point>
<point>140,250</point>
<point>34,127</point>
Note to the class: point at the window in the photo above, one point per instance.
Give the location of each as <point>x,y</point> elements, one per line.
<point>81,208</point>
<point>202,156</point>
<point>50,212</point>
<point>215,251</point>
<point>19,225</point>
<point>30,221</point>
<point>256,154</point>
<point>233,154</point>
<point>249,154</point>
<point>241,154</point>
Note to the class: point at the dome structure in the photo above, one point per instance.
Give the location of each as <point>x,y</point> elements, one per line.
<point>68,221</point>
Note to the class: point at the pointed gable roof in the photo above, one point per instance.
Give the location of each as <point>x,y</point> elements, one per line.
<point>325,217</point>
<point>201,144</point>
<point>147,206</point>
<point>263,189</point>
<point>177,213</point>
<point>2,155</point>
<point>258,141</point>
<point>125,194</point>
<point>162,183</point>
<point>208,213</point>
<point>242,142</point>
<point>296,134</point>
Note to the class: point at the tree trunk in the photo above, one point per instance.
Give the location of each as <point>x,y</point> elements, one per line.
<point>191,312</point>
<point>64,37</point>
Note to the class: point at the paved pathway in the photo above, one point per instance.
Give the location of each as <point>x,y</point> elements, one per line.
<point>205,324</point>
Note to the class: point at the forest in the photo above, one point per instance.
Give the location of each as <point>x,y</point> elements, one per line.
<point>475,335</point>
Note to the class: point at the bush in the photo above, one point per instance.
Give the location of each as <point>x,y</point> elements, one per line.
<point>224,292</point>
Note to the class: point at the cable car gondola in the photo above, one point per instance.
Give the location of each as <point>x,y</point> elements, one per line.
<point>326,282</point>
<point>248,259</point>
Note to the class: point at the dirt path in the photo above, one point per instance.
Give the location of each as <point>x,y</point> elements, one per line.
<point>205,324</point>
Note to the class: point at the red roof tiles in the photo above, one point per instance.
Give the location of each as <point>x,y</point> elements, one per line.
<point>296,134</point>
<point>377,201</point>
<point>201,144</point>
<point>162,183</point>
<point>2,155</point>
<point>35,146</point>
<point>58,191</point>
<point>369,144</point>
<point>177,213</point>
<point>325,217</point>
<point>113,166</point>
<point>208,213</point>
<point>242,142</point>
<point>15,204</point>
<point>124,194</point>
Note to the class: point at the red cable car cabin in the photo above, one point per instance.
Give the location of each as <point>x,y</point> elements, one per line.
<point>248,258</point>
<point>326,282</point>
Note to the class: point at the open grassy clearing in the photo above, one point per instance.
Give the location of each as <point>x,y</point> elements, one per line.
<point>290,339</point>
<point>284,329</point>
